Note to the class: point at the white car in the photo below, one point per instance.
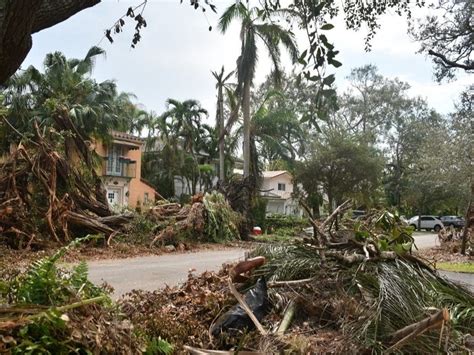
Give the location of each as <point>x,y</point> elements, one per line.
<point>426,222</point>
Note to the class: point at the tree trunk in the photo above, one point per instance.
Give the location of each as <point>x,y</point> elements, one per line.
<point>469,222</point>
<point>246,114</point>
<point>220,118</point>
<point>20,18</point>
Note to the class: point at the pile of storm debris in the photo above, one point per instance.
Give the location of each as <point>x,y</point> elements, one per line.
<point>50,190</point>
<point>208,218</point>
<point>355,288</point>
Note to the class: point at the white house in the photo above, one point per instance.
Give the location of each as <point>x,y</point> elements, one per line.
<point>277,188</point>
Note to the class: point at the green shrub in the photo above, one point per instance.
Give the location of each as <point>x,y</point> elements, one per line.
<point>140,229</point>
<point>278,221</point>
<point>54,311</point>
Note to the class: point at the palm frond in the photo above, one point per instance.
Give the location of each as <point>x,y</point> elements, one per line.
<point>235,11</point>
<point>86,65</point>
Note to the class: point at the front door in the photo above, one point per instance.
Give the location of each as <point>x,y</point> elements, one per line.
<point>114,196</point>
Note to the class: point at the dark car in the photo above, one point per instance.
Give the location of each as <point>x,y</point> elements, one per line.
<point>452,221</point>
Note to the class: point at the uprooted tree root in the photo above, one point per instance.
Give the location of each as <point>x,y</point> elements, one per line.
<point>45,197</point>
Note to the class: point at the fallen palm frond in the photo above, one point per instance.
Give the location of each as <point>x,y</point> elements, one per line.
<point>365,282</point>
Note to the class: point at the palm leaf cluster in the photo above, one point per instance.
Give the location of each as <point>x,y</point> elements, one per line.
<point>222,222</point>
<point>95,107</point>
<point>379,294</point>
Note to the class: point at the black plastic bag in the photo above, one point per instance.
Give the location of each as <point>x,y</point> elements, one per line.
<point>236,318</point>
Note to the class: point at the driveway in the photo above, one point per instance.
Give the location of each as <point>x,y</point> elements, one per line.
<point>425,240</point>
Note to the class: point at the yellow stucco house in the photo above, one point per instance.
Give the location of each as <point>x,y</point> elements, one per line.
<point>121,171</point>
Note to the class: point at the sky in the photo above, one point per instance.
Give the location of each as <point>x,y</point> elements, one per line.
<point>177,53</point>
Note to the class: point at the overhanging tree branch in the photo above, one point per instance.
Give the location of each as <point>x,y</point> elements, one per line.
<point>450,63</point>
<point>20,18</point>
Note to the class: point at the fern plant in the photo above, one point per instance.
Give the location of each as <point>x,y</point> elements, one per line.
<point>45,284</point>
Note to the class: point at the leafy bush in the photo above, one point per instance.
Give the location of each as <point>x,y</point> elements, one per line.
<point>140,229</point>
<point>278,221</point>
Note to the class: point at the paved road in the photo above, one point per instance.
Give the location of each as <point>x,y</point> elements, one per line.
<point>152,272</point>
<point>424,240</point>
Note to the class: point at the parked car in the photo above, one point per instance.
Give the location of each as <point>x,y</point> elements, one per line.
<point>452,221</point>
<point>426,222</point>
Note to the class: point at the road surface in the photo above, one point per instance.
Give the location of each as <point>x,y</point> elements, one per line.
<point>152,272</point>
<point>424,240</point>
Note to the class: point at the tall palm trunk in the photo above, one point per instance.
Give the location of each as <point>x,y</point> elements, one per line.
<point>220,118</point>
<point>246,114</point>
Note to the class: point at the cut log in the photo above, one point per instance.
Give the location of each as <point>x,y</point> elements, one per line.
<point>88,222</point>
<point>287,318</point>
<point>245,266</point>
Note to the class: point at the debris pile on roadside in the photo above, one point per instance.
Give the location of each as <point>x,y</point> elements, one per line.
<point>208,218</point>
<point>46,310</point>
<point>49,190</point>
<point>354,289</point>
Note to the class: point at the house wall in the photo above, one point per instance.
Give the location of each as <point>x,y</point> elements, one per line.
<point>138,189</point>
<point>275,206</point>
<point>272,184</point>
<point>134,190</point>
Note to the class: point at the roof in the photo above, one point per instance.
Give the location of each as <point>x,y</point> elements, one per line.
<point>274,173</point>
<point>126,137</point>
<point>265,174</point>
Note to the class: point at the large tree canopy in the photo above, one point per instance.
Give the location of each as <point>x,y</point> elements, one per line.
<point>19,19</point>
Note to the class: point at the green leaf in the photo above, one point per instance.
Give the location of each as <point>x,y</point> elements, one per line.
<point>334,63</point>
<point>329,80</point>
<point>303,55</point>
<point>327,26</point>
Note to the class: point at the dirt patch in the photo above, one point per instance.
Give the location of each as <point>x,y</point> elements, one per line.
<point>447,252</point>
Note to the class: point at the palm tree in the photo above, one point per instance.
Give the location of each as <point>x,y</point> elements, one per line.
<point>254,27</point>
<point>64,83</point>
<point>220,86</point>
<point>275,133</point>
<point>183,122</point>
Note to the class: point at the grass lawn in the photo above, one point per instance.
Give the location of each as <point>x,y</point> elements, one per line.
<point>457,267</point>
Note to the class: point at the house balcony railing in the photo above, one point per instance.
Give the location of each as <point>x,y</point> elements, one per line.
<point>119,167</point>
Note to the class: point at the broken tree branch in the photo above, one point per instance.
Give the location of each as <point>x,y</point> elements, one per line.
<point>411,331</point>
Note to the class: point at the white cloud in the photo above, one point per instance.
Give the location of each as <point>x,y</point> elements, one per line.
<point>177,53</point>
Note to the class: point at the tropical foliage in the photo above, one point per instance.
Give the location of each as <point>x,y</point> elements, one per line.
<point>55,311</point>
